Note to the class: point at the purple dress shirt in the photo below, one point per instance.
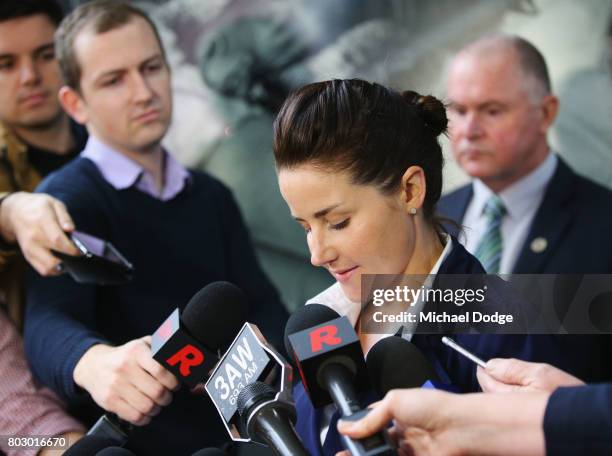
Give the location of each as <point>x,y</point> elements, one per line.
<point>122,172</point>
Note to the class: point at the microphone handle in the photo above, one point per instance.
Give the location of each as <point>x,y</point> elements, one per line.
<point>375,445</point>
<point>337,379</point>
<point>275,428</point>
<point>112,427</point>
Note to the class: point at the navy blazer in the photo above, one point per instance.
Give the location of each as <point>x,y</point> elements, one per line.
<point>578,420</point>
<point>575,218</point>
<point>459,371</point>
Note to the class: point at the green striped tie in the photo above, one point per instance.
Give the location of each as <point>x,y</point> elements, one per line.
<point>490,247</point>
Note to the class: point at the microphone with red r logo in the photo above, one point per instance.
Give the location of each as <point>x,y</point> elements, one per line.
<point>328,355</point>
<point>190,345</point>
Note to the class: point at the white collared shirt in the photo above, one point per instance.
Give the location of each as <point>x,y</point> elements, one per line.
<point>522,200</point>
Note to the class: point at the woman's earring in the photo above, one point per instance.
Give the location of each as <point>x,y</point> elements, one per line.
<point>413,211</point>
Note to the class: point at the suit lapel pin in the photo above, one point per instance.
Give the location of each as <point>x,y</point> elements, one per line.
<point>538,245</point>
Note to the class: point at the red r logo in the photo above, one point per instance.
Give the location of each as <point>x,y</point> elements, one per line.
<point>325,334</point>
<point>188,356</point>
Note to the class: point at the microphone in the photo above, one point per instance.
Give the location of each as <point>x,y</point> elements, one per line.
<point>215,314</point>
<point>250,358</point>
<point>329,357</point>
<point>115,451</point>
<point>112,428</point>
<point>331,363</point>
<point>189,346</point>
<point>89,445</point>
<point>268,420</point>
<point>394,362</point>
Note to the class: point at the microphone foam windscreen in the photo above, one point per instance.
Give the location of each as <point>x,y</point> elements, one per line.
<point>394,363</point>
<point>215,314</point>
<point>306,317</point>
<point>115,451</point>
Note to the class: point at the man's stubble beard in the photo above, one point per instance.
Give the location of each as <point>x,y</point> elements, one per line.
<point>47,123</point>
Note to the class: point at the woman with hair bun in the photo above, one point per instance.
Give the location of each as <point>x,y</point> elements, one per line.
<point>366,161</point>
<point>360,167</point>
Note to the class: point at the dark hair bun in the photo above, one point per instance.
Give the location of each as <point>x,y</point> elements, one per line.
<point>430,109</point>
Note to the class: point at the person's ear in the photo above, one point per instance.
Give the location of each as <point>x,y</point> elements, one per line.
<point>413,189</point>
<point>73,104</point>
<point>550,108</point>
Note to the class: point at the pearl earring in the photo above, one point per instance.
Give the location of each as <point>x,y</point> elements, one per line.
<point>413,211</point>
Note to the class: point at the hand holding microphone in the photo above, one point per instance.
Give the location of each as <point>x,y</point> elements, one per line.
<point>125,380</point>
<point>136,385</point>
<point>432,423</point>
<point>428,422</point>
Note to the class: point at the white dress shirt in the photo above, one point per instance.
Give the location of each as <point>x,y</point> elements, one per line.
<point>522,200</point>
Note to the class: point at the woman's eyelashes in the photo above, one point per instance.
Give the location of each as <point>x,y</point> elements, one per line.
<point>343,224</point>
<point>338,226</point>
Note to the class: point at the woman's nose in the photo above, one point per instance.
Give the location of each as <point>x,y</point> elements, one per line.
<point>321,252</point>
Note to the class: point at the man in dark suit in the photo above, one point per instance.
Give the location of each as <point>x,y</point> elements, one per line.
<point>525,211</point>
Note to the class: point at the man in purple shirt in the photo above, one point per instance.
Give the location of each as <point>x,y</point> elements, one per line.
<point>124,99</point>
<point>180,229</point>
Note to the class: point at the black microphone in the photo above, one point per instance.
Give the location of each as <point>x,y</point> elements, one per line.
<point>115,451</point>
<point>190,345</point>
<point>89,445</point>
<point>215,314</point>
<point>112,428</point>
<point>394,362</point>
<point>249,359</point>
<point>332,366</point>
<point>329,357</point>
<point>268,420</point>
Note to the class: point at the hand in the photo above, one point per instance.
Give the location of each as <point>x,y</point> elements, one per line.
<point>428,422</point>
<point>126,380</point>
<point>38,223</point>
<point>503,375</point>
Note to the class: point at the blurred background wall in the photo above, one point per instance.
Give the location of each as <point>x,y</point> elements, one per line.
<point>233,61</point>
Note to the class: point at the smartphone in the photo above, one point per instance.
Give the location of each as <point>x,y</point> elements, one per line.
<point>100,263</point>
<point>465,352</point>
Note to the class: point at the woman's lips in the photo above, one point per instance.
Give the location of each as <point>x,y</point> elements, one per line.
<point>344,274</point>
